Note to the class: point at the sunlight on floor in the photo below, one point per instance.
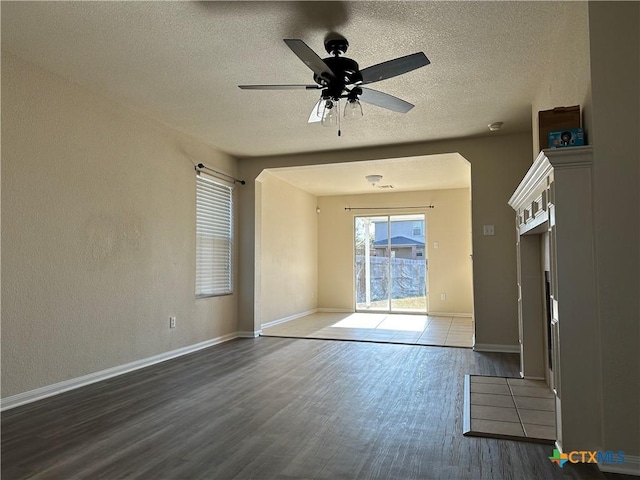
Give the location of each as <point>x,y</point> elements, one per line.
<point>360,320</point>
<point>412,323</point>
<point>379,327</point>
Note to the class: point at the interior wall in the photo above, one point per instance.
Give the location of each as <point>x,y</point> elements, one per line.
<point>615,76</point>
<point>565,80</point>
<point>498,163</point>
<point>98,234</point>
<point>449,224</point>
<point>288,250</point>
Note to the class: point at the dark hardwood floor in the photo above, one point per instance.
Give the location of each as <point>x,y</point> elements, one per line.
<point>275,408</point>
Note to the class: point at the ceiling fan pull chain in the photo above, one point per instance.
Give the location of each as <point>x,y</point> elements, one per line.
<point>338,110</point>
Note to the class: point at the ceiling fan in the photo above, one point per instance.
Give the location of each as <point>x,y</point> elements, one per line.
<point>340,78</point>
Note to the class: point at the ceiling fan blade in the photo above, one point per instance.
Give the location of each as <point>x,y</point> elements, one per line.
<point>279,87</point>
<point>315,117</point>
<point>309,57</point>
<point>384,100</point>
<point>393,68</point>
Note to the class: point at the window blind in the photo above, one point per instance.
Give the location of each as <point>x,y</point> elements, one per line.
<point>214,237</point>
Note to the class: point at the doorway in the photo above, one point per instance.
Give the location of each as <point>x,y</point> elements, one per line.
<point>390,263</point>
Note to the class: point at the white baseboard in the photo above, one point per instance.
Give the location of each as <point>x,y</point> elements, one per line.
<point>249,334</point>
<point>449,314</point>
<point>73,383</point>
<point>289,318</point>
<point>304,314</point>
<point>488,347</point>
<point>631,466</point>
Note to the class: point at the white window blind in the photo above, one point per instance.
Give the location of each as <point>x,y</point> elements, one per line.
<point>214,237</point>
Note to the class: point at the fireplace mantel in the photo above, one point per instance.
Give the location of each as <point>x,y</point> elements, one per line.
<point>553,205</point>
<point>530,200</point>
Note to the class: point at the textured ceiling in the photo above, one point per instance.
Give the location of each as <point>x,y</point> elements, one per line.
<point>180,63</point>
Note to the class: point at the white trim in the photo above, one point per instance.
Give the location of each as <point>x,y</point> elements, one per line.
<point>254,334</point>
<point>488,347</point>
<point>289,318</point>
<point>447,314</point>
<point>546,161</point>
<point>631,466</point>
<point>531,378</point>
<point>295,316</point>
<point>73,383</point>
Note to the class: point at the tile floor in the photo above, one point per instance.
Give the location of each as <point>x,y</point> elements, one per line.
<point>512,408</point>
<point>379,327</point>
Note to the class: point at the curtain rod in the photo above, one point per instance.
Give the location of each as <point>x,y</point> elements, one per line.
<point>202,166</point>
<point>387,208</point>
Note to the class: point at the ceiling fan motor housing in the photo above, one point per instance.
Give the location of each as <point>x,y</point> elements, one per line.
<point>336,46</point>
<point>346,73</point>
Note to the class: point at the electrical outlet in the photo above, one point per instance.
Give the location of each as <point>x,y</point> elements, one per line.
<point>443,297</point>
<point>172,322</point>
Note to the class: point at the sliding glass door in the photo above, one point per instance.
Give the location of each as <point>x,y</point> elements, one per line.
<point>390,263</point>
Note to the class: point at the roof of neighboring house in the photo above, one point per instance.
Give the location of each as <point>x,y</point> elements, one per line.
<point>397,242</point>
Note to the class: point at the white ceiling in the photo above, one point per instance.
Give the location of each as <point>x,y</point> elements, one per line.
<point>180,63</point>
<point>431,172</point>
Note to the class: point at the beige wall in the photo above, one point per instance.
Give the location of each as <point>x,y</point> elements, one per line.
<point>98,234</point>
<point>565,79</point>
<point>615,77</point>
<point>449,223</point>
<point>286,250</point>
<point>498,163</point>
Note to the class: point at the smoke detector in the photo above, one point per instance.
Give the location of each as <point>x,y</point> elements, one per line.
<point>495,126</point>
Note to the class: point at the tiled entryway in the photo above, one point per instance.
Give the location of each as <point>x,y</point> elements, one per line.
<point>379,327</point>
<point>511,408</point>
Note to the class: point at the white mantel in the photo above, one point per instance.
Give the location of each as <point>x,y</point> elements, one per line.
<point>555,199</point>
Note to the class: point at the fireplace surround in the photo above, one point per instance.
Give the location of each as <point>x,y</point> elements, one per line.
<point>553,203</point>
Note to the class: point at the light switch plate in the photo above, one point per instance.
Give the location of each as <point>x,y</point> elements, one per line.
<point>488,230</point>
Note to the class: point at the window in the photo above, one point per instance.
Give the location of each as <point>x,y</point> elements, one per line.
<point>417,229</point>
<point>214,237</point>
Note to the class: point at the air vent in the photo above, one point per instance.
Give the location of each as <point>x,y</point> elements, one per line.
<point>388,187</point>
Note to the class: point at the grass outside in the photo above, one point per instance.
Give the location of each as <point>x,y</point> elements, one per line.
<point>409,303</point>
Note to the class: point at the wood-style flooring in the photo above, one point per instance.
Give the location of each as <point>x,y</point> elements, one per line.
<point>276,408</point>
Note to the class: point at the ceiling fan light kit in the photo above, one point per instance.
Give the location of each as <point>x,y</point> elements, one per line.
<point>353,109</point>
<point>330,113</point>
<point>340,77</point>
<point>373,179</point>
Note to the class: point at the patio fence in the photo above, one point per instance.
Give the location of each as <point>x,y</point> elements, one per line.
<point>408,278</point>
